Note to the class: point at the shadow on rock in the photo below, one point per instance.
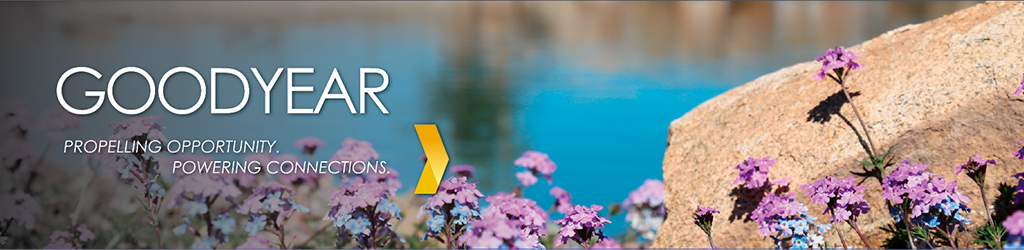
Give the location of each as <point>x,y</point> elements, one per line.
<point>830,106</point>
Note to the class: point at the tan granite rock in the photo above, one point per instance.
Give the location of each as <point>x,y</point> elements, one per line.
<point>941,90</point>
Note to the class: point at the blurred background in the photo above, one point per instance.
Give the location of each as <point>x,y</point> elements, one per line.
<point>592,84</point>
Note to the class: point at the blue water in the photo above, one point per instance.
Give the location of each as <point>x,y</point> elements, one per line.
<point>601,110</point>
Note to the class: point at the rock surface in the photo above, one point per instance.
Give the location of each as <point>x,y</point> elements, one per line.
<point>941,90</point>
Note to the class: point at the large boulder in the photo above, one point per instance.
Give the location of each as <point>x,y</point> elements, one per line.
<point>941,90</point>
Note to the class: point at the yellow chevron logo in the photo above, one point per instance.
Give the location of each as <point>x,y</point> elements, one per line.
<point>437,158</point>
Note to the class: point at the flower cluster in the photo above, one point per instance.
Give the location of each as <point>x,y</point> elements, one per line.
<point>268,207</point>
<point>536,163</point>
<point>140,168</point>
<point>645,208</point>
<point>754,172</point>
<point>837,60</point>
<point>18,207</point>
<point>524,215</point>
<point>1014,224</point>
<point>799,232</point>
<point>495,230</point>
<point>74,238</point>
<point>582,225</point>
<point>451,209</point>
<point>926,199</point>
<point>921,191</point>
<point>774,208</point>
<point>363,210</point>
<point>976,168</point>
<point>196,194</point>
<point>844,200</point>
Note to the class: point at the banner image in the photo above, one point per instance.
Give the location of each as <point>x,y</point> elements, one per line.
<point>511,125</point>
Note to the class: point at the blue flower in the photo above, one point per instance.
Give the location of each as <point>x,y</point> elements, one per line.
<point>180,229</point>
<point>256,223</point>
<point>389,207</point>
<point>799,242</point>
<point>225,223</point>
<point>206,243</point>
<point>196,208</point>
<point>273,202</point>
<point>357,225</point>
<point>296,206</point>
<point>435,223</point>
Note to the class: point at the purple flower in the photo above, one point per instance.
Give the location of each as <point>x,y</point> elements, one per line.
<point>362,210</point>
<point>493,230</point>
<point>704,217</point>
<point>976,167</point>
<point>19,207</point>
<point>754,172</point>
<point>842,197</point>
<point>537,163</point>
<point>309,145</point>
<point>355,150</point>
<point>836,59</point>
<point>526,178</point>
<point>645,210</point>
<point>563,200</point>
<point>463,170</point>
<point>1020,152</point>
<point>73,238</point>
<point>529,218</point>
<point>772,208</point>
<point>581,224</point>
<point>1014,224</point>
<point>922,191</point>
<point>452,208</point>
<point>1020,88</point>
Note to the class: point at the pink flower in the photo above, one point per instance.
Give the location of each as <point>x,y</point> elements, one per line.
<point>837,58</point>
<point>607,243</point>
<point>651,193</point>
<point>773,207</point>
<point>530,217</point>
<point>493,230</point>
<point>563,200</point>
<point>309,145</point>
<point>526,178</point>
<point>537,162</point>
<point>581,224</point>
<point>1014,224</point>
<point>355,150</point>
<point>842,197</point>
<point>754,172</point>
<point>20,207</point>
<point>455,190</point>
